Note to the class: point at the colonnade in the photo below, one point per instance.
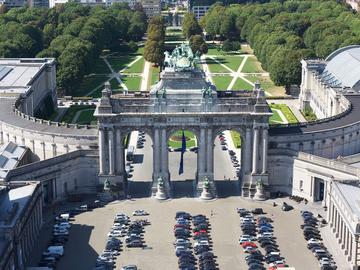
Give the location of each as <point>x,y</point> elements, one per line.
<point>253,162</point>
<point>348,240</point>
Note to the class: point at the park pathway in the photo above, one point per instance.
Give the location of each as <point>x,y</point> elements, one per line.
<point>205,68</point>
<point>114,75</point>
<point>77,115</point>
<point>145,76</point>
<point>282,116</point>
<point>238,72</point>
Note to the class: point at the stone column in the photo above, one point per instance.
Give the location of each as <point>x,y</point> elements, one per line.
<point>210,152</point>
<point>264,150</point>
<point>164,153</point>
<point>111,151</point>
<point>102,150</point>
<point>156,152</point>
<point>120,155</point>
<point>255,157</point>
<point>202,153</point>
<point>246,159</point>
<point>54,149</point>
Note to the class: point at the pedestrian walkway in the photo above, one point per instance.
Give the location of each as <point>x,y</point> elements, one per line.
<point>145,76</point>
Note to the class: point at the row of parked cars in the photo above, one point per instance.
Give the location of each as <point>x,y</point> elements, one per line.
<point>133,234</point>
<point>232,154</point>
<point>314,241</point>
<point>198,228</point>
<point>258,231</point>
<point>60,234</point>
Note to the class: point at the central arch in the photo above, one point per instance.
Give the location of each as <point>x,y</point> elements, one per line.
<point>182,183</point>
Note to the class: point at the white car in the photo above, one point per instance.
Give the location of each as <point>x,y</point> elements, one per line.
<point>62,225</point>
<point>276,263</point>
<point>114,234</point>
<point>201,243</point>
<point>140,213</point>
<point>246,239</point>
<point>314,241</point>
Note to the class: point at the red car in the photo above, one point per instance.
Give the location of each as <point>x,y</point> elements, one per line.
<point>248,244</point>
<point>200,232</point>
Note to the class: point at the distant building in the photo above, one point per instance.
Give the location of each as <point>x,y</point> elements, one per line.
<point>20,223</point>
<point>325,81</point>
<point>107,3</point>
<point>151,7</point>
<point>355,4</point>
<point>13,156</point>
<point>13,3</point>
<point>29,81</point>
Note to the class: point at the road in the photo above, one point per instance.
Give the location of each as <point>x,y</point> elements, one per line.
<point>143,167</point>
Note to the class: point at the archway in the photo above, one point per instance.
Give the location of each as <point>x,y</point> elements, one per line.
<point>228,159</point>
<point>182,176</point>
<point>138,163</point>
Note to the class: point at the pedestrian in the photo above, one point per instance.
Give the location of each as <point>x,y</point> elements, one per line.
<point>211,213</point>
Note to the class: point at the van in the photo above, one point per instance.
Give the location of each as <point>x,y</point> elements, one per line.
<point>56,250</point>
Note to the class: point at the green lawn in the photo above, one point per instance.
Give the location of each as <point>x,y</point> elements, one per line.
<point>87,117</point>
<point>175,140</point>
<point>236,138</point>
<point>137,67</point>
<point>252,65</point>
<point>221,82</point>
<point>213,50</point>
<point>71,112</point>
<point>233,62</point>
<point>132,83</point>
<point>240,84</point>
<point>89,83</point>
<point>215,67</point>
<point>120,62</point>
<point>275,118</point>
<point>290,117</point>
<point>154,74</point>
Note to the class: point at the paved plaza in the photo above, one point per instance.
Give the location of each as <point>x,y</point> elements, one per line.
<point>88,234</point>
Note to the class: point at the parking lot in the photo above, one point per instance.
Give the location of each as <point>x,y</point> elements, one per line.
<point>89,232</point>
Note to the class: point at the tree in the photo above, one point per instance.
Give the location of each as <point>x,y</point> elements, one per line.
<point>154,46</point>
<point>191,26</point>
<point>197,43</point>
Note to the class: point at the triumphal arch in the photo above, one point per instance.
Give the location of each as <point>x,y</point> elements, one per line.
<point>184,99</point>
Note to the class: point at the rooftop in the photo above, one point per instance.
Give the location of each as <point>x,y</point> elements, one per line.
<point>351,194</point>
<point>10,154</point>
<point>16,74</point>
<point>343,68</point>
<point>12,202</point>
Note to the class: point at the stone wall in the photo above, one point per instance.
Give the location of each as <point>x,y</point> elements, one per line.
<point>72,173</point>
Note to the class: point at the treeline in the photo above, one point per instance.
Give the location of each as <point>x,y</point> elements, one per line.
<point>283,32</point>
<point>72,33</point>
